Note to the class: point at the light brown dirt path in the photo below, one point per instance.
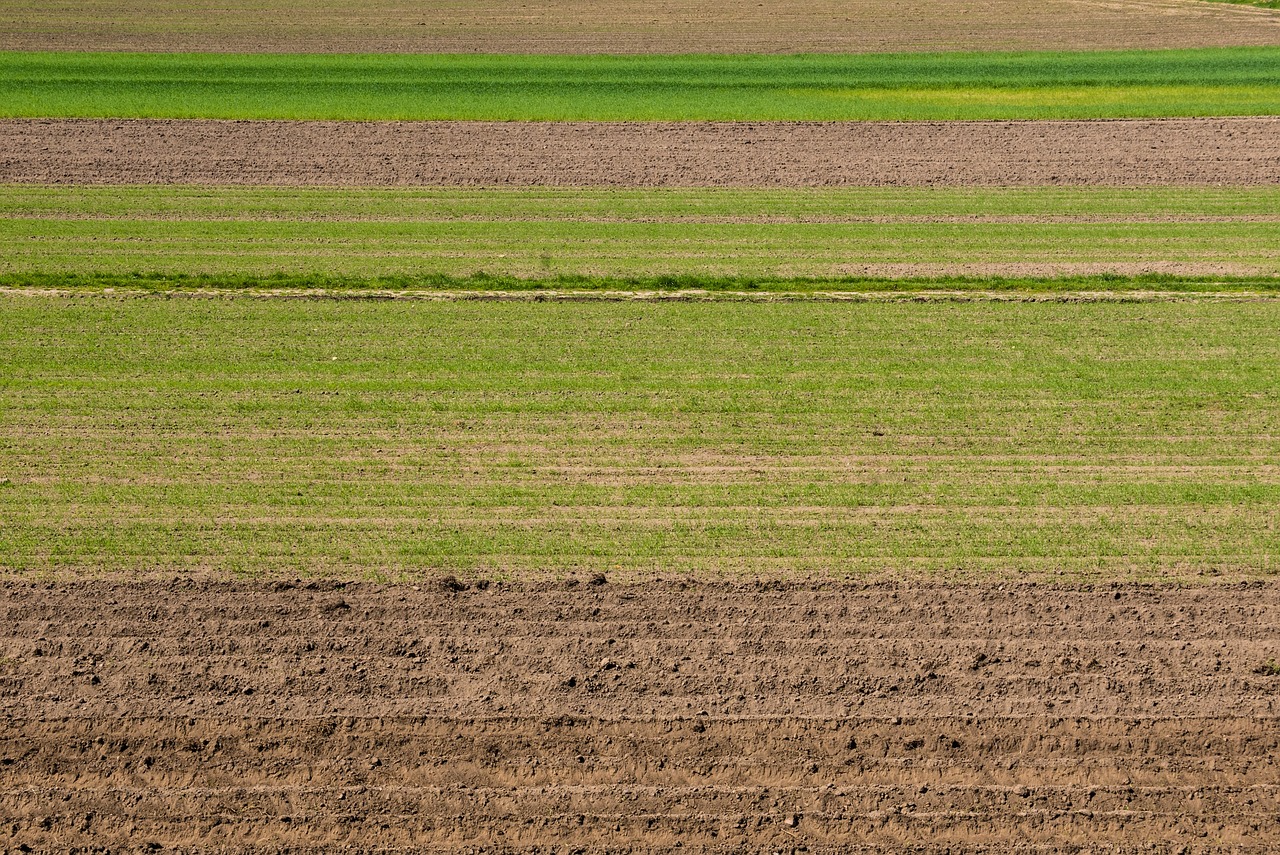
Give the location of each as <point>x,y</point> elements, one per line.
<point>246,717</point>
<point>607,26</point>
<point>772,154</point>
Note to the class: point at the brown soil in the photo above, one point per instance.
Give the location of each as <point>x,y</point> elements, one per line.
<point>607,26</point>
<point>772,154</point>
<point>595,717</point>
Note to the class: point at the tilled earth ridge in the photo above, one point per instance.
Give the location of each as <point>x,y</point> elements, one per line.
<point>594,717</point>
<point>1237,151</point>
<point>606,26</point>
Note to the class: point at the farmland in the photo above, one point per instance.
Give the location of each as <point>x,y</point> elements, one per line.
<point>533,234</point>
<point>569,427</point>
<point>724,716</point>
<point>881,87</point>
<point>527,440</point>
<point>644,156</point>
<point>606,27</point>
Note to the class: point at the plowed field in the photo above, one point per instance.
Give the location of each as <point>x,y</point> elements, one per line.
<point>606,26</point>
<point>588,716</point>
<point>1236,151</point>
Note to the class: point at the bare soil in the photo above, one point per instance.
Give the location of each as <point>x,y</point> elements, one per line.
<point>607,26</point>
<point>590,716</point>
<point>1233,151</point>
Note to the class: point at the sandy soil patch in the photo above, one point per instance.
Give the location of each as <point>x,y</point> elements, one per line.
<point>1237,151</point>
<point>246,716</point>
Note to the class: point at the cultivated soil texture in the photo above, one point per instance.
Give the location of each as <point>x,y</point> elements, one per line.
<point>606,26</point>
<point>588,716</point>
<point>1234,151</point>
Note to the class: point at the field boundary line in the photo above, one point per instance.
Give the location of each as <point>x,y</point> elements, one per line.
<point>689,295</point>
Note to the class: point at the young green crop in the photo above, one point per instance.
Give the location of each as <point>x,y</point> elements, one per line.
<point>552,234</point>
<point>1202,82</point>
<point>391,439</point>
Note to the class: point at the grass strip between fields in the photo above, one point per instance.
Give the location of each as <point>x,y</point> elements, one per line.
<point>1103,287</point>
<point>510,239</point>
<point>400,439</point>
<point>947,86</point>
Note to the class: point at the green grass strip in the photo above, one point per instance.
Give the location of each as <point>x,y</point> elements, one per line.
<point>405,439</point>
<point>704,235</point>
<point>638,205</point>
<point>1202,82</point>
<point>1099,286</point>
<point>1265,4</point>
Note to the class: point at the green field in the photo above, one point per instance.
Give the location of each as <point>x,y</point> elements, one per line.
<point>399,439</point>
<point>1201,82</point>
<point>1074,440</point>
<point>547,234</point>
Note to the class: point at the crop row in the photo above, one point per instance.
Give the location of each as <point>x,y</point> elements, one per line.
<point>1044,85</point>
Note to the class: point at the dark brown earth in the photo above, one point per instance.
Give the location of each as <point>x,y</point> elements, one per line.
<point>608,26</point>
<point>772,154</point>
<point>258,717</point>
